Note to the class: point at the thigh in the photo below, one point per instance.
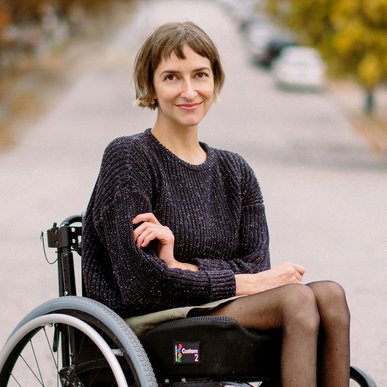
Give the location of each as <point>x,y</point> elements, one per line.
<point>264,310</point>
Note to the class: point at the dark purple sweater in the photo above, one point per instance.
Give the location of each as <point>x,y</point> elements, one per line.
<point>215,211</point>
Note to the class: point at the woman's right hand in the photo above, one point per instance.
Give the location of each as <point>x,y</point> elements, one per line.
<point>284,274</point>
<point>149,229</point>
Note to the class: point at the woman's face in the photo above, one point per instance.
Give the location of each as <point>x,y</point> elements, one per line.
<point>184,89</point>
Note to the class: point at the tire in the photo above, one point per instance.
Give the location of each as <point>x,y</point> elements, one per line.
<point>104,348</point>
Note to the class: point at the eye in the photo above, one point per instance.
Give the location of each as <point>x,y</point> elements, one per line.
<point>169,77</point>
<point>202,74</point>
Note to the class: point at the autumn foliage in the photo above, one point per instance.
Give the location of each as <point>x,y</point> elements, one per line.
<point>350,34</point>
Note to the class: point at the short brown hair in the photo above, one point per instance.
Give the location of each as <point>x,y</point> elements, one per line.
<point>165,40</point>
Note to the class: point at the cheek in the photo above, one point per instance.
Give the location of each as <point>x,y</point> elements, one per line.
<point>210,87</point>
<point>210,92</point>
<point>166,93</point>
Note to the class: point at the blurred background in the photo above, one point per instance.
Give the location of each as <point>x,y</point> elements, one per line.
<point>38,38</point>
<point>305,103</point>
<point>41,39</point>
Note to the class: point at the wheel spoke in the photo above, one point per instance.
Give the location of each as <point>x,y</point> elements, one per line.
<point>32,371</point>
<point>51,352</point>
<point>13,377</point>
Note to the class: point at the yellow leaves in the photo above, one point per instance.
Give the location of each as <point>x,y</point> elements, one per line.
<point>350,34</point>
<point>369,71</point>
<point>343,11</point>
<point>376,11</point>
<point>350,37</point>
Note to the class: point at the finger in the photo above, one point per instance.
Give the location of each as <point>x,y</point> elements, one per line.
<point>148,238</point>
<point>300,269</point>
<point>146,217</point>
<point>298,276</point>
<point>140,229</point>
<point>145,237</point>
<point>147,226</point>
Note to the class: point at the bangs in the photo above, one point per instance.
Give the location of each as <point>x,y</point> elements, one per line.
<point>175,44</point>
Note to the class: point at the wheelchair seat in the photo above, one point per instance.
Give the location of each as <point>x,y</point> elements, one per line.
<point>211,348</point>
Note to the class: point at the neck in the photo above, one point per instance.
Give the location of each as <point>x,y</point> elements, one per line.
<point>183,142</point>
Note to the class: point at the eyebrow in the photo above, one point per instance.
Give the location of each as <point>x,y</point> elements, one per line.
<point>177,72</point>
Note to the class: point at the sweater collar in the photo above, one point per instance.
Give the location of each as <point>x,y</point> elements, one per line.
<point>171,156</point>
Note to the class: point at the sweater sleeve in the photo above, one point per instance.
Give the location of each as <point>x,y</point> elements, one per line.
<point>142,282</point>
<point>253,253</point>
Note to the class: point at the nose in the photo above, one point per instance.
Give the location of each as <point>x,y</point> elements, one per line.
<point>188,90</point>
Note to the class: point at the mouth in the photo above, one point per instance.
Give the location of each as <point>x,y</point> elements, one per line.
<point>189,106</point>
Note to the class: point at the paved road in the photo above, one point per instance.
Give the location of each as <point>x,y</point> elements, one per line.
<point>325,192</point>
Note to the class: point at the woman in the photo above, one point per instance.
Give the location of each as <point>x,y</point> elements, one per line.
<point>173,223</point>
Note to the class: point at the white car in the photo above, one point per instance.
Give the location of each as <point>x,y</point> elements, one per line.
<point>258,35</point>
<point>299,67</point>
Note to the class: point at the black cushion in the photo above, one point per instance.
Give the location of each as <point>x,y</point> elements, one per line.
<point>211,347</point>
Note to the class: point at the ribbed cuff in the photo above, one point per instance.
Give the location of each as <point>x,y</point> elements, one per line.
<point>211,264</point>
<point>222,284</point>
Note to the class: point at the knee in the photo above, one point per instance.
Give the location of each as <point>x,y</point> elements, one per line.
<point>300,308</point>
<point>332,303</point>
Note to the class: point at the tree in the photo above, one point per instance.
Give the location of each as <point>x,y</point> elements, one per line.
<point>350,34</point>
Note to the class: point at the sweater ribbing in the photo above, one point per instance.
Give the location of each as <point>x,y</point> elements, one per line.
<point>215,211</point>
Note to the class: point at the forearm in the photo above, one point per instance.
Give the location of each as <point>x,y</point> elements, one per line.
<point>284,274</point>
<point>247,284</point>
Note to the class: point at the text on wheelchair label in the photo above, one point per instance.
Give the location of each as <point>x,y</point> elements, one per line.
<point>186,352</point>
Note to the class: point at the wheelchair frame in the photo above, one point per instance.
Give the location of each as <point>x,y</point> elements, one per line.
<point>92,345</point>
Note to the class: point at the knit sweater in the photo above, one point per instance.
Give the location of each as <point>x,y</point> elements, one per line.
<point>215,211</point>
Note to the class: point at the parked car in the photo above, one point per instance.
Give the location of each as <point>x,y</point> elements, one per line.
<point>258,35</point>
<point>299,67</point>
<point>274,46</point>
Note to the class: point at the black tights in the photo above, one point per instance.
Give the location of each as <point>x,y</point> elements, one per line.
<point>314,320</point>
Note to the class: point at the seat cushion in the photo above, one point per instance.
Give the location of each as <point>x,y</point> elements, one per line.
<point>211,347</point>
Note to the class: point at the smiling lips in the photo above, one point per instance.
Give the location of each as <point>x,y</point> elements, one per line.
<point>189,106</point>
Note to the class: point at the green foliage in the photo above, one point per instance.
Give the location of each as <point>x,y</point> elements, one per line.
<point>350,34</point>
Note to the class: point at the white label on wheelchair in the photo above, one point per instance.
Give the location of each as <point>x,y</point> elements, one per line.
<point>186,352</point>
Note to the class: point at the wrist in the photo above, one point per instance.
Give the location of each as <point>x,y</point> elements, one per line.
<point>182,266</point>
<point>247,284</point>
<point>242,284</point>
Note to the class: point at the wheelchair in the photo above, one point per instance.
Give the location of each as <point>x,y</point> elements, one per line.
<point>74,341</point>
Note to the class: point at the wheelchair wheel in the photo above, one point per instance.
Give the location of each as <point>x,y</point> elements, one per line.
<point>74,342</point>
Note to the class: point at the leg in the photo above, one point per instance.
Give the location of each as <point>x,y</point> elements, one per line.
<point>293,309</point>
<point>334,362</point>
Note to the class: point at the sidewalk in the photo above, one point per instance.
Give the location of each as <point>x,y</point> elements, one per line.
<point>350,99</point>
